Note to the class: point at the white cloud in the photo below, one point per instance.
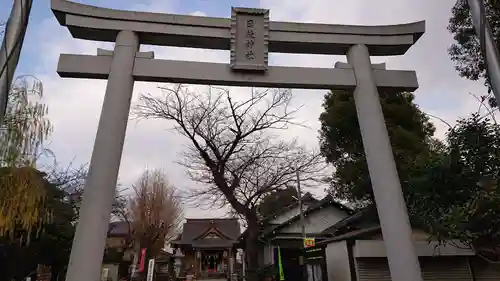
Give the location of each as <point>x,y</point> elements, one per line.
<point>75,105</point>
<point>442,92</point>
<point>199,14</point>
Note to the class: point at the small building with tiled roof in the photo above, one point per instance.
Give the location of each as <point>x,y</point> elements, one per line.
<point>283,231</point>
<point>356,252</point>
<point>206,248</point>
<point>119,252</point>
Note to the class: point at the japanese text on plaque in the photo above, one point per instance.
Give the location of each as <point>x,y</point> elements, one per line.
<point>250,40</point>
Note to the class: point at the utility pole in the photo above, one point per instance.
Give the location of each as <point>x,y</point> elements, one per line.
<point>301,211</point>
<point>11,49</point>
<point>490,51</point>
<point>303,227</point>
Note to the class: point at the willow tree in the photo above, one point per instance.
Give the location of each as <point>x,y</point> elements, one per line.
<point>25,128</point>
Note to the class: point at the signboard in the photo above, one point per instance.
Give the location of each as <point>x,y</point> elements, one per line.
<point>151,270</point>
<point>315,262</point>
<point>314,255</point>
<point>249,39</point>
<point>309,242</point>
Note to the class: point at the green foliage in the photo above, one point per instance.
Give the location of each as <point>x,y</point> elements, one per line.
<point>409,130</point>
<point>276,201</point>
<point>456,194</point>
<point>466,51</point>
<point>50,245</point>
<point>451,187</point>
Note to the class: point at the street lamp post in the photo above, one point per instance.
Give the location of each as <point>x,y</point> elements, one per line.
<point>302,226</point>
<point>301,211</point>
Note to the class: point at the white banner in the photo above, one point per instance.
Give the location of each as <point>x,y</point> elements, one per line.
<point>151,269</point>
<point>105,274</point>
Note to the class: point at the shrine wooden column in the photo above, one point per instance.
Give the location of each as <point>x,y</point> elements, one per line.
<point>197,263</point>
<point>231,259</point>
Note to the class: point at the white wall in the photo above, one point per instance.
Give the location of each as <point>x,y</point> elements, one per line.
<point>317,221</point>
<point>337,262</point>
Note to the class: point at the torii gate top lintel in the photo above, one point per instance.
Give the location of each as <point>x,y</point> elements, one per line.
<point>103,24</point>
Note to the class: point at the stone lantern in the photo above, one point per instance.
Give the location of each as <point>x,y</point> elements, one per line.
<point>178,261</point>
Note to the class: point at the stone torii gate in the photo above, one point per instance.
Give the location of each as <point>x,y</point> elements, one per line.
<point>249,35</point>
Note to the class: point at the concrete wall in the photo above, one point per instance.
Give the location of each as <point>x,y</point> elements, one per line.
<point>318,221</point>
<point>337,262</point>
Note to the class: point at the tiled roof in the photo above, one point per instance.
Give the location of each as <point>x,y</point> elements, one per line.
<point>327,200</point>
<point>368,213</point>
<point>193,229</point>
<point>307,199</point>
<point>118,228</point>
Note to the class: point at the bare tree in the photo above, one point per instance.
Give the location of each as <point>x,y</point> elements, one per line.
<point>155,211</point>
<point>234,149</point>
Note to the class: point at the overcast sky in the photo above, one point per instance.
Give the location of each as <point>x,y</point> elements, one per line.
<point>74,105</point>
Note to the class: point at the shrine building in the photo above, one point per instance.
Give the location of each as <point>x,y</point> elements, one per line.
<point>207,248</point>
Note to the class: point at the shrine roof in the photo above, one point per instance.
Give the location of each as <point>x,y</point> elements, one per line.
<point>225,232</point>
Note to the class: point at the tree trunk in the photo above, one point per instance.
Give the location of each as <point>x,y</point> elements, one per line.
<point>251,248</point>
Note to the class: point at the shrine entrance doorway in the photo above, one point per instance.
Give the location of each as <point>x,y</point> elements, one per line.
<point>213,263</point>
